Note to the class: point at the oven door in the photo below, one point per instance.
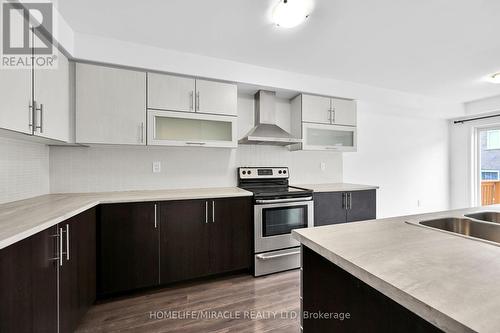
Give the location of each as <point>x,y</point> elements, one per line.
<point>275,220</point>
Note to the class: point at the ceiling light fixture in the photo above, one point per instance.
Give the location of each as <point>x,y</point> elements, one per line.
<point>290,13</point>
<point>494,78</point>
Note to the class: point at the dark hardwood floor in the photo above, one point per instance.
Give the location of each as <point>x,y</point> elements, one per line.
<point>275,297</point>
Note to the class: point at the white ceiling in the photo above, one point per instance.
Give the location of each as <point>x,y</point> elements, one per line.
<point>440,48</point>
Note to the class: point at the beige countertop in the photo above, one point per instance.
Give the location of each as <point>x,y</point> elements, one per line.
<point>451,281</point>
<point>337,187</point>
<point>24,218</point>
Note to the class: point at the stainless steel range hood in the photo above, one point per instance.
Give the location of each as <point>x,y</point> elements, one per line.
<point>266,132</point>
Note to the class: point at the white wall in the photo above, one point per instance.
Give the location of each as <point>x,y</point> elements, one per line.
<point>108,168</point>
<point>406,156</point>
<point>491,104</point>
<point>24,169</point>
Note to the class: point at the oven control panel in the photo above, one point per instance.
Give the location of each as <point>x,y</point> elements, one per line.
<point>256,173</point>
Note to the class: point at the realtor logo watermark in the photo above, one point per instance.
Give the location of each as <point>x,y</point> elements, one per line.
<point>27,30</point>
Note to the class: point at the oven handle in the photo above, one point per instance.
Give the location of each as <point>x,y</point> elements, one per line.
<point>283,200</point>
<point>273,256</point>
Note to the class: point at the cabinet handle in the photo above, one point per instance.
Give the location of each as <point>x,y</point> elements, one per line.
<point>58,255</point>
<point>67,241</point>
<point>197,101</point>
<point>344,200</point>
<point>349,197</point>
<point>330,115</point>
<point>196,143</point>
<point>40,127</point>
<point>206,211</point>
<point>142,132</point>
<point>213,211</point>
<point>156,221</point>
<point>191,100</point>
<point>30,115</point>
<point>60,246</point>
<point>333,115</point>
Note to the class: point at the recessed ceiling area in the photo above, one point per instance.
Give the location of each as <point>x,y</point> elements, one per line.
<point>438,48</point>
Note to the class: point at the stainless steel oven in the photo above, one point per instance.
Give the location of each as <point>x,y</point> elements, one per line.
<point>276,218</point>
<point>278,209</point>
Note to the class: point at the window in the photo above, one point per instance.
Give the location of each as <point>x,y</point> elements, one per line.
<point>493,139</point>
<point>490,174</point>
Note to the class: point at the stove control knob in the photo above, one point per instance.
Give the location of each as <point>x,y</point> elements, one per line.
<point>284,171</point>
<point>249,172</point>
<point>279,172</point>
<point>244,172</point>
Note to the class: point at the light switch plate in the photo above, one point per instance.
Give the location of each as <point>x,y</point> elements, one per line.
<point>156,167</point>
<point>322,166</point>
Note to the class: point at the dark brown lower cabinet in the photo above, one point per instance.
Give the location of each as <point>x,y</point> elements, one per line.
<point>204,237</point>
<point>328,289</point>
<point>77,273</point>
<point>148,244</point>
<point>342,207</point>
<point>231,235</point>
<point>30,298</point>
<point>184,240</point>
<point>28,284</point>
<point>128,247</point>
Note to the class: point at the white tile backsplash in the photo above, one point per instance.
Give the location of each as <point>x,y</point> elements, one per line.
<point>116,168</point>
<point>24,169</point>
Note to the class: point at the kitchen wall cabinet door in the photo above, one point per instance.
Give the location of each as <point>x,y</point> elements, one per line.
<point>216,97</point>
<point>28,279</point>
<point>362,206</point>
<point>128,247</point>
<point>344,112</point>
<point>168,92</point>
<point>329,137</point>
<point>16,100</point>
<point>16,96</point>
<point>52,95</point>
<point>329,208</point>
<point>110,105</point>
<point>230,234</point>
<point>167,128</point>
<point>184,240</point>
<point>316,109</point>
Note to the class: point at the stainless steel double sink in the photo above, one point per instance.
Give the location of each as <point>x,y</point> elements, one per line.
<point>483,226</point>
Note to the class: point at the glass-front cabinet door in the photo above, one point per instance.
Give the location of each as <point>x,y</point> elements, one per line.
<point>169,128</point>
<point>328,137</point>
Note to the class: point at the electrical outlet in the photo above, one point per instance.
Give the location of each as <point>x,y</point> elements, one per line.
<point>322,166</point>
<point>156,167</point>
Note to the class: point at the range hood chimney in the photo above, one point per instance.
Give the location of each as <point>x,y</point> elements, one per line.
<point>266,132</point>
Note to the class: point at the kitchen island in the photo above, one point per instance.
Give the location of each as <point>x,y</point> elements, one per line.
<point>388,275</point>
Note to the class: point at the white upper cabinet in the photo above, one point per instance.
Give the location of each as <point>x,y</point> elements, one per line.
<point>37,107</point>
<point>328,137</point>
<point>343,112</point>
<point>51,92</point>
<point>110,105</point>
<point>168,92</point>
<point>316,109</point>
<point>324,123</point>
<point>15,100</point>
<point>169,128</point>
<point>216,97</point>
<point>175,93</point>
<point>327,110</point>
